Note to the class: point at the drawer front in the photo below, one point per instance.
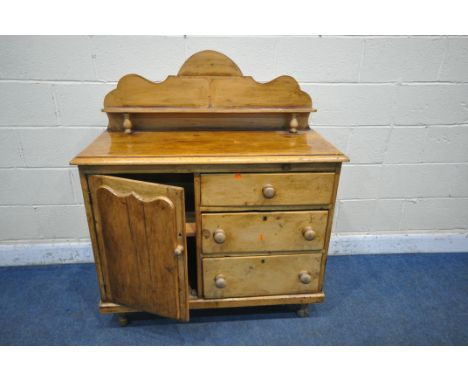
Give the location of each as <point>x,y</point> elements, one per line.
<point>261,275</point>
<point>263,232</point>
<point>266,189</point>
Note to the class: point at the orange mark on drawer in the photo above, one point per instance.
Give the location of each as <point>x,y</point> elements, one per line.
<point>237,175</point>
<point>261,237</point>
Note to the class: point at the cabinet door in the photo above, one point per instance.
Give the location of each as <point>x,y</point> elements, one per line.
<point>141,235</point>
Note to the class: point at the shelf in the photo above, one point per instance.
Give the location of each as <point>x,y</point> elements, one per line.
<point>187,110</point>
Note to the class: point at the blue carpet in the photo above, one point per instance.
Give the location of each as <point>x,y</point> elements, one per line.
<point>370,300</point>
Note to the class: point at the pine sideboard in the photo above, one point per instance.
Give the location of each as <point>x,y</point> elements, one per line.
<point>208,190</point>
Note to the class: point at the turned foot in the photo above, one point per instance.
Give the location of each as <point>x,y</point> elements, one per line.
<point>123,319</point>
<point>303,310</point>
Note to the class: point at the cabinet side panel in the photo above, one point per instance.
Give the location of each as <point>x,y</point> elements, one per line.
<point>92,233</point>
<point>329,226</point>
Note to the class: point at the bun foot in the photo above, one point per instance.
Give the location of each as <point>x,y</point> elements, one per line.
<point>123,319</point>
<point>303,310</point>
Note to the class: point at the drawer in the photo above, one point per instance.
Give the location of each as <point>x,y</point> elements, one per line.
<point>266,189</point>
<point>261,275</point>
<point>239,232</point>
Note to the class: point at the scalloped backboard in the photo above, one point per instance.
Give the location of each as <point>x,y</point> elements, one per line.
<point>209,91</point>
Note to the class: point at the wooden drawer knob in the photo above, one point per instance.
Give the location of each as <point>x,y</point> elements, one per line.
<point>308,233</point>
<point>220,281</point>
<point>305,277</point>
<point>219,236</point>
<point>268,191</point>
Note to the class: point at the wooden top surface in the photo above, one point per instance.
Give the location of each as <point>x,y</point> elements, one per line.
<point>208,147</point>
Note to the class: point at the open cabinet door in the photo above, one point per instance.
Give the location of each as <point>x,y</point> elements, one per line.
<point>141,236</point>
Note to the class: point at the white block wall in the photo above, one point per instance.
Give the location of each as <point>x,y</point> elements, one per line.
<point>398,106</point>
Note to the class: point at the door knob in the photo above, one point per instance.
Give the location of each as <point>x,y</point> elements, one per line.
<point>220,281</point>
<point>308,233</point>
<point>219,236</point>
<point>268,191</point>
<point>179,250</point>
<point>305,277</point>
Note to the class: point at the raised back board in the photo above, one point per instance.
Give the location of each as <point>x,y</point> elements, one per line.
<point>208,92</point>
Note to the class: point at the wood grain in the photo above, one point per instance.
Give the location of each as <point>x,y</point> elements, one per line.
<point>176,169</point>
<point>175,119</point>
<point>235,302</point>
<point>190,229</point>
<point>208,79</point>
<point>208,83</point>
<point>232,302</point>
<point>208,147</point>
<point>329,226</point>
<point>209,63</point>
<point>260,176</point>
<point>263,232</point>
<point>139,225</point>
<point>261,275</point>
<point>244,92</point>
<point>244,189</point>
<point>135,91</point>
<point>98,257</point>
